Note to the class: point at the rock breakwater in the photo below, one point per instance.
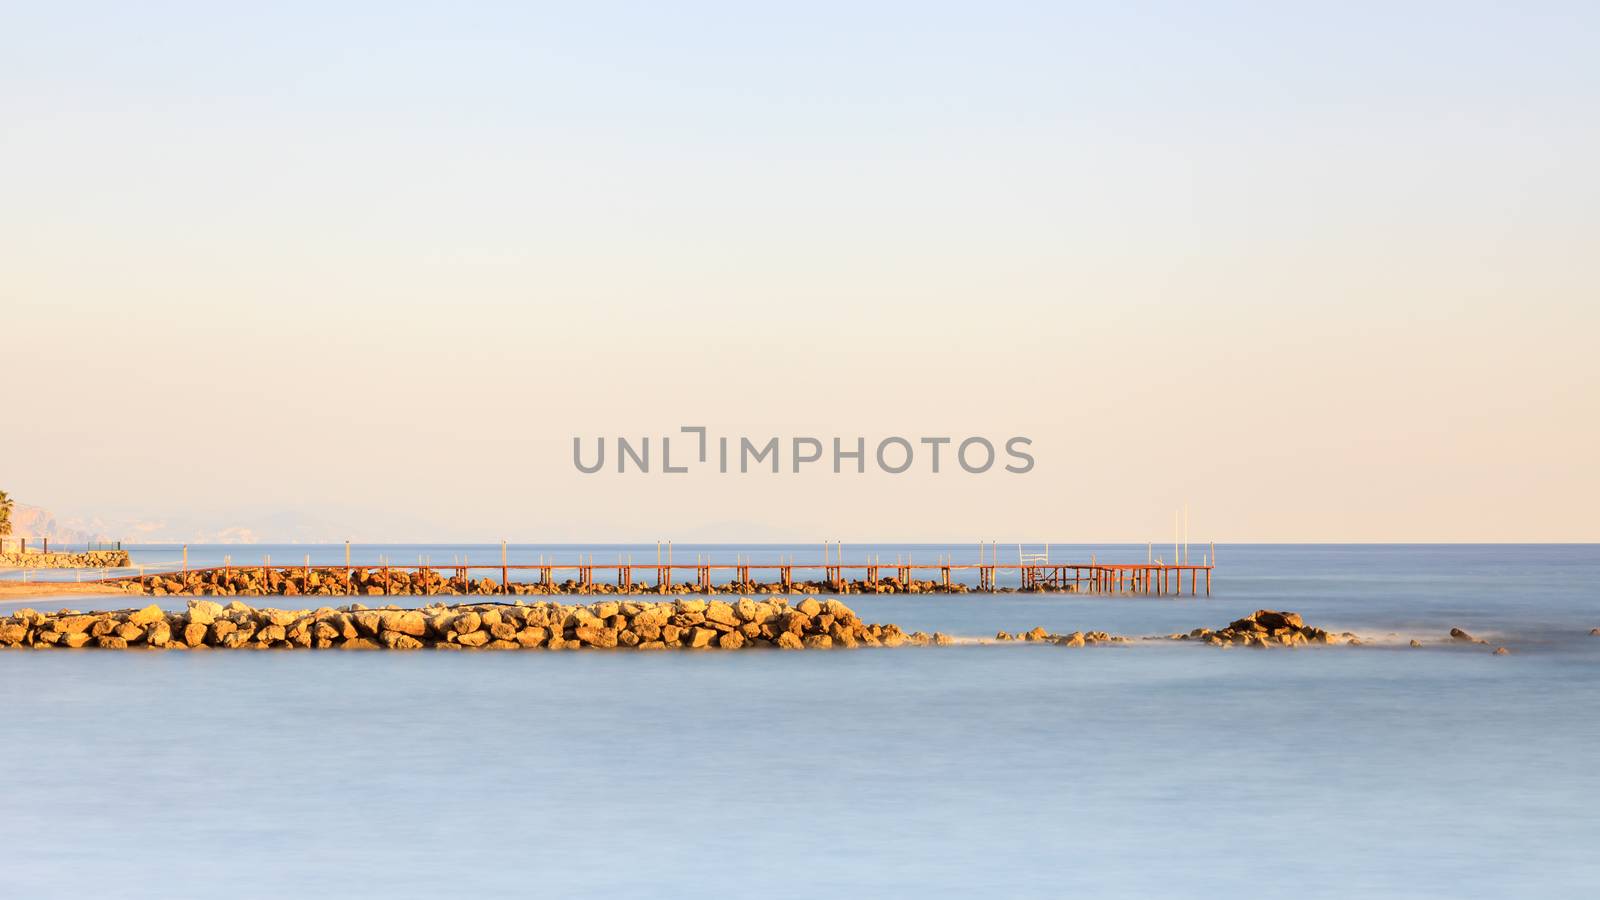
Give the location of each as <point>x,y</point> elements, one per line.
<point>688,624</point>
<point>92,559</point>
<point>378,581</point>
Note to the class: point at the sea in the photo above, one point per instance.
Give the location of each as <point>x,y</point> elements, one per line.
<point>1153,769</point>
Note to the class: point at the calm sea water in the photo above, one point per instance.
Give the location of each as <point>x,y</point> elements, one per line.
<point>1154,770</point>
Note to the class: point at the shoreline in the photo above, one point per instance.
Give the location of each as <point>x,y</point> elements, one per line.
<point>21,591</point>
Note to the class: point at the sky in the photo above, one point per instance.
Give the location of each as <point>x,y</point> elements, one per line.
<point>364,271</point>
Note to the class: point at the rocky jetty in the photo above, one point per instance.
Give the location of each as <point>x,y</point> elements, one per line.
<point>377,581</point>
<point>93,559</point>
<point>687,624</point>
<point>1267,628</point>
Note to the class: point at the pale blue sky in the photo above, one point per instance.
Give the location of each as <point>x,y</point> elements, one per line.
<point>1345,254</point>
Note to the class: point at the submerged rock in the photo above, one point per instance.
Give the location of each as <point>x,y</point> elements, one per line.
<point>1268,628</point>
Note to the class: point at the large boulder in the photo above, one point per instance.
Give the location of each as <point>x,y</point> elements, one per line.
<point>466,623</point>
<point>72,624</point>
<point>596,636</point>
<point>282,617</point>
<point>398,640</point>
<point>158,634</point>
<point>720,613</point>
<point>147,615</point>
<point>408,622</point>
<point>1273,619</point>
<point>368,622</point>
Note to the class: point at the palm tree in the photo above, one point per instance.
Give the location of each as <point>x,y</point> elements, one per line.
<point>5,514</point>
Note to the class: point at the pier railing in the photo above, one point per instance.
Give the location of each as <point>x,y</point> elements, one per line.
<point>13,544</point>
<point>1153,579</point>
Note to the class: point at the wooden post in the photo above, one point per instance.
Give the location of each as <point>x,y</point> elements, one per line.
<point>185,558</point>
<point>505,585</point>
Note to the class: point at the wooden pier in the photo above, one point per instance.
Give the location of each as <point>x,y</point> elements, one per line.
<point>1156,579</point>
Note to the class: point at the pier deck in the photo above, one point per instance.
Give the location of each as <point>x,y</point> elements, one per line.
<point>1103,579</point>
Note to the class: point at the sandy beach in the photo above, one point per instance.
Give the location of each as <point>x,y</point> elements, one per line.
<point>12,592</point>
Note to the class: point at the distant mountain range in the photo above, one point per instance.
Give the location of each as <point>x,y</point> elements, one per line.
<point>37,522</point>
<point>252,526</point>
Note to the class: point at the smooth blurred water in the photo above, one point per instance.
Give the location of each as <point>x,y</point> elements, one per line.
<point>1150,770</point>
